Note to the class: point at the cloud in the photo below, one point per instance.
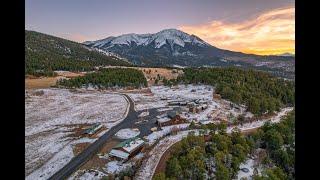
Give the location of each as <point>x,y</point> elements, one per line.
<point>272,32</point>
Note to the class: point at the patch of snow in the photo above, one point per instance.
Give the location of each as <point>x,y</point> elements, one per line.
<point>139,156</point>
<point>84,140</point>
<point>249,165</point>
<point>223,60</point>
<point>178,66</point>
<point>109,53</point>
<point>116,166</point>
<point>259,123</point>
<point>144,114</point>
<point>164,109</point>
<point>127,133</point>
<point>88,175</point>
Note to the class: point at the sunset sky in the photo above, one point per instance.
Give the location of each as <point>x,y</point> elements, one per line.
<point>250,26</point>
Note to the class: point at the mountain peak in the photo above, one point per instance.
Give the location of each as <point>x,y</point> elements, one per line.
<point>170,30</point>
<point>174,47</point>
<point>167,36</point>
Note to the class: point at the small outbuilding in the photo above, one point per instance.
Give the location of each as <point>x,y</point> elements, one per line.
<point>93,129</point>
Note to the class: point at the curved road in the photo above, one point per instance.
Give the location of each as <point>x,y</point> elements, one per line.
<point>86,154</point>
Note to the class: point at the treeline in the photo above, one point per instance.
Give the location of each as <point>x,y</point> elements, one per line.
<point>45,54</point>
<point>279,142</point>
<point>260,91</point>
<point>220,157</point>
<point>105,78</point>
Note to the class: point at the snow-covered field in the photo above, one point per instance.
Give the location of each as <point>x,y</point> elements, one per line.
<point>183,92</point>
<point>163,94</point>
<point>50,119</point>
<point>143,101</point>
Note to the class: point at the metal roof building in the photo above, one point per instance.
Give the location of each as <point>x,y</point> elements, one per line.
<point>93,129</point>
<point>127,148</point>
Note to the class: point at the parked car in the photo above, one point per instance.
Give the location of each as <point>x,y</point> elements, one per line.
<point>246,170</point>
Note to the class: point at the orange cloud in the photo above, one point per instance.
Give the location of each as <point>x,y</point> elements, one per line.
<point>271,32</point>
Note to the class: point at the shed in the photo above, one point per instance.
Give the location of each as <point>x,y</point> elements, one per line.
<point>93,129</point>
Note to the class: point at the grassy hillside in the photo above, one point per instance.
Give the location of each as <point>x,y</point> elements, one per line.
<point>45,53</point>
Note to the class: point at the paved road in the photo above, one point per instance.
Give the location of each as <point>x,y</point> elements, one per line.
<point>86,154</point>
<point>128,122</point>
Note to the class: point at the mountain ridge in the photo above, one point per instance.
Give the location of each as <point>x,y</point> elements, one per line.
<point>46,53</point>
<point>173,46</point>
<point>132,36</point>
<point>159,39</point>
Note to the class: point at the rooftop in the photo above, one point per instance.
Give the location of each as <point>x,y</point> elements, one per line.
<point>118,153</point>
<point>130,144</point>
<point>172,114</point>
<point>163,119</point>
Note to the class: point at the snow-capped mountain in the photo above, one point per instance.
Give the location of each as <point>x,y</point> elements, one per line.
<point>169,36</point>
<point>173,47</point>
<point>167,47</point>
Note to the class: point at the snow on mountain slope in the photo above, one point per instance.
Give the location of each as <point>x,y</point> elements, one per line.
<point>109,53</point>
<point>173,47</point>
<point>99,43</point>
<point>176,37</point>
<point>170,36</point>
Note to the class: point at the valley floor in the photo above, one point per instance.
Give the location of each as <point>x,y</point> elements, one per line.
<point>54,121</point>
<point>54,118</point>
